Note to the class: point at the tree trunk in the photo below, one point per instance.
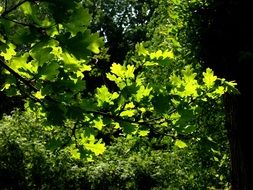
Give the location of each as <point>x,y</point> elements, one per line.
<point>240,145</point>
<point>225,42</point>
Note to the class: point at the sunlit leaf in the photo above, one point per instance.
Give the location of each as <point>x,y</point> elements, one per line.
<point>128,113</point>
<point>98,123</point>
<point>104,96</point>
<point>39,95</point>
<point>209,78</point>
<point>98,147</point>
<point>180,144</point>
<point>143,133</point>
<point>141,49</point>
<point>27,9</point>
<point>9,53</point>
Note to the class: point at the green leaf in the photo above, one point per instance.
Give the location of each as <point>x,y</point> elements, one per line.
<point>209,78</point>
<point>22,36</point>
<point>42,54</point>
<point>122,71</point>
<point>180,144</point>
<point>104,96</point>
<point>55,113</point>
<point>74,152</point>
<point>142,93</point>
<point>230,87</point>
<point>129,105</point>
<point>98,123</point>
<point>39,95</point>
<point>168,54</point>
<point>143,133</point>
<point>185,129</point>
<point>95,43</point>
<point>129,90</point>
<point>156,55</point>
<point>82,44</point>
<point>53,144</point>
<point>74,112</point>
<point>128,113</point>
<point>49,71</point>
<point>88,104</point>
<point>162,55</point>
<point>3,45</point>
<point>98,147</point>
<point>90,143</point>
<point>141,49</point>
<point>78,20</point>
<point>27,9</point>
<point>9,53</point>
<point>128,128</point>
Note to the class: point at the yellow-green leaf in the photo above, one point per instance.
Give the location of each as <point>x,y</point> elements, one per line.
<point>39,95</point>
<point>74,152</point>
<point>98,148</point>
<point>103,95</point>
<point>143,133</point>
<point>209,78</point>
<point>129,105</point>
<point>26,8</point>
<point>10,52</point>
<point>168,54</point>
<point>180,144</point>
<point>141,49</point>
<point>128,113</point>
<point>98,123</point>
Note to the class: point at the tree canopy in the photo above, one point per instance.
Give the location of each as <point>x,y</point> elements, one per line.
<point>93,71</point>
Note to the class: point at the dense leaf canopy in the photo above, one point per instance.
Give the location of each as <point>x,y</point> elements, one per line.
<point>47,52</point>
<point>92,72</point>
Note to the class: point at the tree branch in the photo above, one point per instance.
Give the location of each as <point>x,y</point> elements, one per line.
<point>16,22</point>
<point>6,12</point>
<point>118,118</point>
<point>5,5</point>
<point>17,76</point>
<point>108,115</point>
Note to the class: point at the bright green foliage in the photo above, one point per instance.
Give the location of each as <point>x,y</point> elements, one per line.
<point>159,99</point>
<point>180,144</point>
<point>28,159</point>
<point>53,63</point>
<point>104,96</point>
<point>8,53</point>
<point>209,78</point>
<point>121,75</point>
<point>51,69</point>
<point>90,144</point>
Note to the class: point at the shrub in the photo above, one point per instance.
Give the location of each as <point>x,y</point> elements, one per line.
<point>136,163</point>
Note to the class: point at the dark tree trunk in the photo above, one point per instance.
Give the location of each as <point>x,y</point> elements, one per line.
<point>239,133</point>
<point>226,45</point>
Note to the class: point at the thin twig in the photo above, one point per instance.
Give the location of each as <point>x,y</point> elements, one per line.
<point>5,5</point>
<point>118,118</point>
<point>20,23</point>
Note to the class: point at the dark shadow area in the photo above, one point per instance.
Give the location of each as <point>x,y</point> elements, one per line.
<point>224,37</point>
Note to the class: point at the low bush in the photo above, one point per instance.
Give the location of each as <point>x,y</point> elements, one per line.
<point>137,163</point>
